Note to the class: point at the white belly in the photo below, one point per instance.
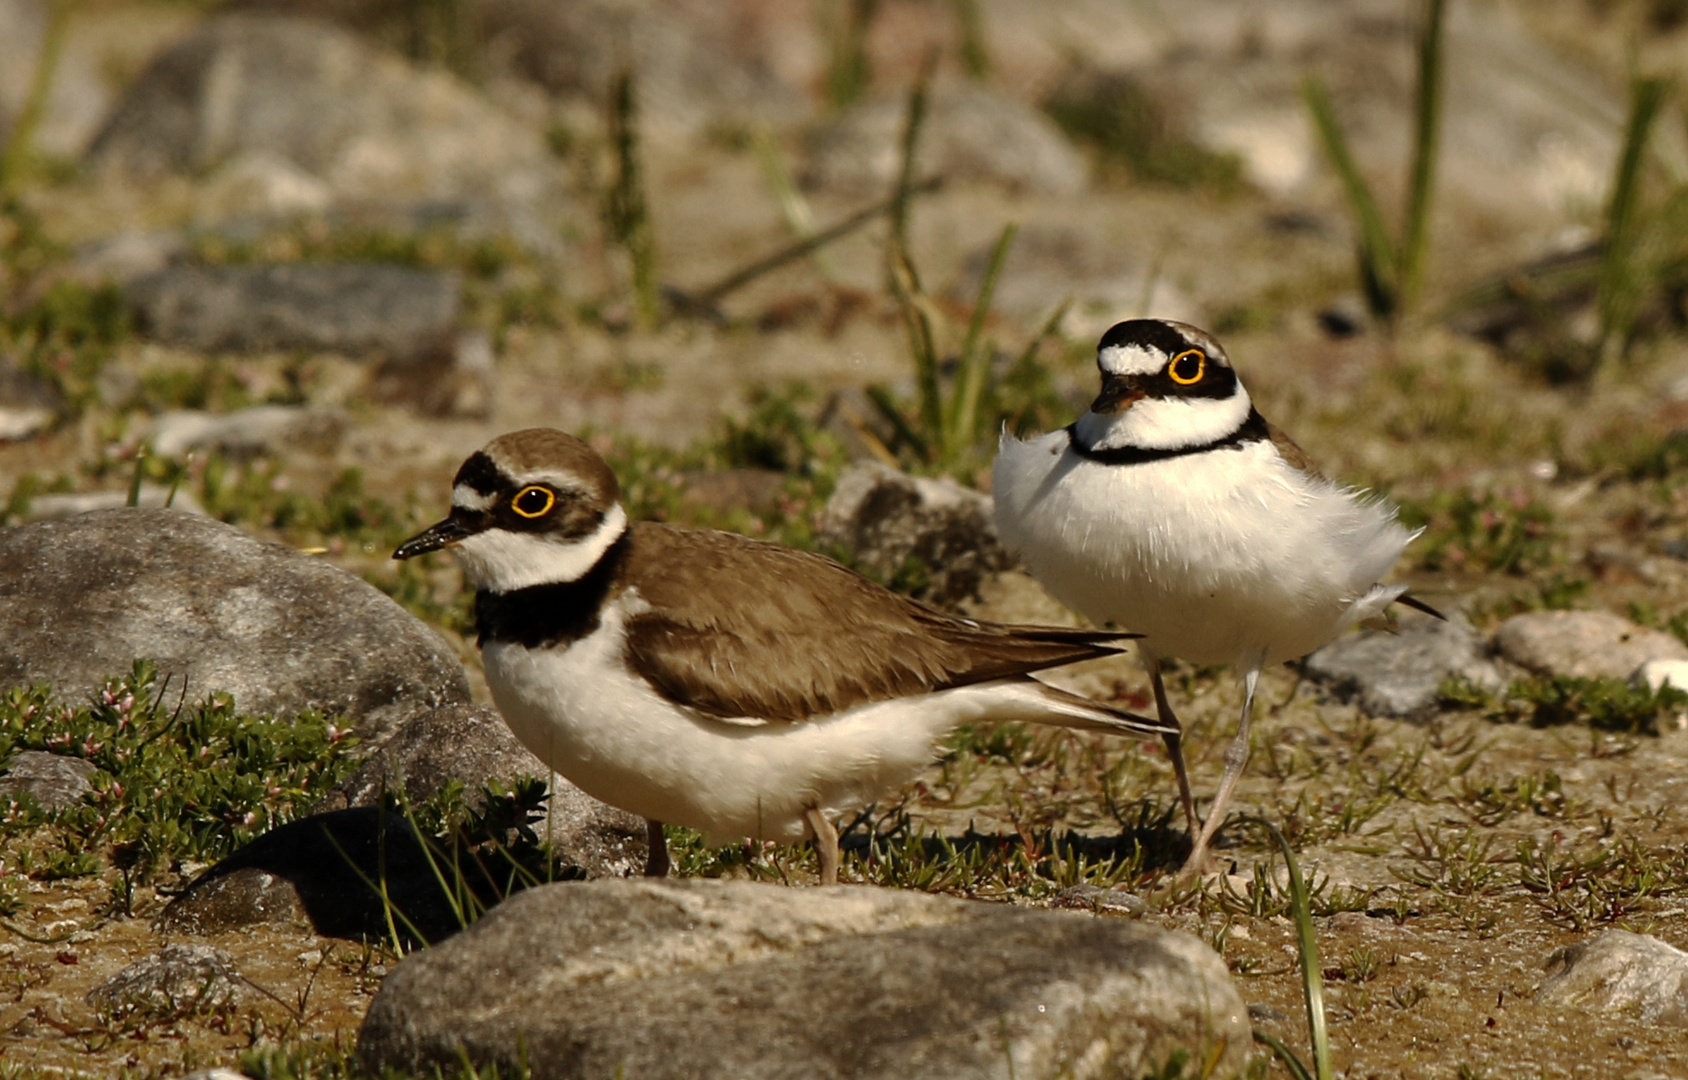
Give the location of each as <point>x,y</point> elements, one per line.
<point>581,710</point>
<point>1217,558</point>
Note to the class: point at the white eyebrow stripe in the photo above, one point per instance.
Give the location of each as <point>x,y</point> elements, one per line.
<point>1129,360</point>
<point>562,481</point>
<point>467,498</point>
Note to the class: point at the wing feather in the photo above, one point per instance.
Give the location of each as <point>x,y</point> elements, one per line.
<point>733,627</point>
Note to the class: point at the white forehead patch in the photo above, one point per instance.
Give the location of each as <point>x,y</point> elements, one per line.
<point>1130,360</point>
<point>465,497</point>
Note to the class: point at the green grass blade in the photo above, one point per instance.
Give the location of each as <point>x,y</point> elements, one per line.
<point>134,498</point>
<point>905,287</point>
<point>914,119</point>
<point>628,211</point>
<point>1312,976</point>
<point>1415,241</point>
<point>970,28</point>
<point>887,406</point>
<point>1284,1054</point>
<point>975,362</point>
<point>19,144</point>
<point>794,208</point>
<point>1621,286</point>
<point>1377,251</point>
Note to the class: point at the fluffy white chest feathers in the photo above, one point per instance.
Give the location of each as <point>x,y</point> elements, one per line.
<point>1217,556</point>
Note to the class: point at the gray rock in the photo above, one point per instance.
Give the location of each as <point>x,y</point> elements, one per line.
<point>972,134</point>
<point>1398,673</point>
<point>310,100</point>
<point>696,63</point>
<point>262,429</point>
<point>1620,972</point>
<point>458,380</point>
<point>28,403</point>
<point>17,425</point>
<point>56,507</point>
<point>472,744</point>
<point>358,310</point>
<point>1585,644</point>
<point>324,871</point>
<point>53,780</point>
<point>717,978</point>
<point>885,518</point>
<point>125,256</point>
<point>176,981</point>
<point>82,598</point>
<point>1097,899</point>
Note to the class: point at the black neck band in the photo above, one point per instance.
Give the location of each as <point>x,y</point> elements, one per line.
<point>542,615</point>
<point>1252,430</point>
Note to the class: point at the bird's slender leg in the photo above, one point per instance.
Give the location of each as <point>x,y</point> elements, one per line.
<point>1236,756</point>
<point>826,844</point>
<point>1174,743</point>
<point>656,863</point>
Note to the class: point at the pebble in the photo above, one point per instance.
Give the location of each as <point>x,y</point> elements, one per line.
<point>1620,972</point>
<point>1583,644</point>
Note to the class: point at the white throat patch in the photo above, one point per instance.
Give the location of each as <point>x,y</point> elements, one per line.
<point>1165,423</point>
<point>502,561</point>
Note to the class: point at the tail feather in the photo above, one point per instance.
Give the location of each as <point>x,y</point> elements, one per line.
<point>1419,605</point>
<point>1053,707</point>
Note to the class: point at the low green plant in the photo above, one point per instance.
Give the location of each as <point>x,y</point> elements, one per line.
<point>1391,272</point>
<point>1605,704</point>
<point>1130,134</point>
<point>175,779</point>
<point>1484,531</point>
<point>67,335</point>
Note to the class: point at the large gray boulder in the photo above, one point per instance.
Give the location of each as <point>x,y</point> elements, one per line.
<point>690,978</point>
<point>82,598</point>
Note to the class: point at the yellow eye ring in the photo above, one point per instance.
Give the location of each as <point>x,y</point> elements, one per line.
<point>550,501</point>
<point>1190,380</point>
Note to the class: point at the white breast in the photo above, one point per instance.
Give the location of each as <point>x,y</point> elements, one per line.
<point>1217,557</point>
<point>583,711</point>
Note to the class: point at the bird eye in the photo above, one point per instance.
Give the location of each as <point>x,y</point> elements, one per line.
<point>533,501</point>
<point>1188,367</point>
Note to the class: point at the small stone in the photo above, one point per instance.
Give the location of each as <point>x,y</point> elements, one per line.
<point>17,425</point>
<point>891,521</point>
<point>1658,674</point>
<point>1398,673</point>
<point>53,780</point>
<point>1635,974</point>
<point>176,981</point>
<point>354,309</point>
<point>456,380</point>
<point>324,871</point>
<point>246,433</point>
<point>1095,898</point>
<point>728,978</point>
<point>1583,644</point>
<point>281,631</point>
<point>472,744</point>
